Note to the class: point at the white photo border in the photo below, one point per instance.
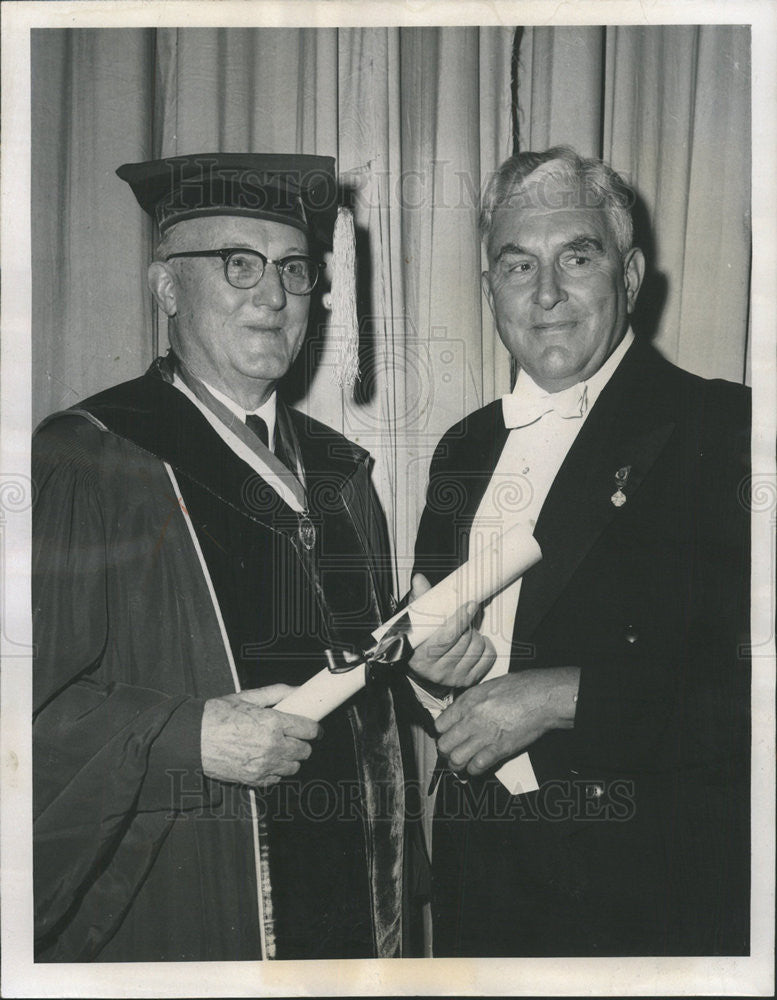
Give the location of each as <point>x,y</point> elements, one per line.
<point>719,976</point>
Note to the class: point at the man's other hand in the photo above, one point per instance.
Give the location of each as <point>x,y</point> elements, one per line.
<point>245,741</point>
<point>456,655</point>
<point>497,719</point>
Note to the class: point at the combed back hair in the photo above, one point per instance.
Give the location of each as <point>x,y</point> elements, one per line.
<point>601,186</point>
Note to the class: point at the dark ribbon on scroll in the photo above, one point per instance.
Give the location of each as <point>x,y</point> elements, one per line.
<point>390,648</point>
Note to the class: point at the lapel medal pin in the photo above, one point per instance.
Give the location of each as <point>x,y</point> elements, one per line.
<point>306,530</point>
<point>618,499</point>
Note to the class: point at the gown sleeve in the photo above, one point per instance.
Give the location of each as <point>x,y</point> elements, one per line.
<point>103,750</point>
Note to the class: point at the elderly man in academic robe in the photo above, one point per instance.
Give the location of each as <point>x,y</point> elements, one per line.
<point>199,546</point>
<point>594,788</point>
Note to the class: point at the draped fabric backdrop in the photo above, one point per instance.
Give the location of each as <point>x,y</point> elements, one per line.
<point>417,118</point>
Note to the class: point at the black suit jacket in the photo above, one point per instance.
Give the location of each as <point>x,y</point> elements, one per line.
<point>637,841</point>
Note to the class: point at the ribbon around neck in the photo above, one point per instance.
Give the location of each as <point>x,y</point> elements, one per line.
<point>289,487</point>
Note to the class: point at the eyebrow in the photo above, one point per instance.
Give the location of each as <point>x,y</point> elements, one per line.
<point>582,242</point>
<point>290,251</point>
<point>511,248</point>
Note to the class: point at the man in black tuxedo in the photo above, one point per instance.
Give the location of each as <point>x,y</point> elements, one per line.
<point>597,790</point>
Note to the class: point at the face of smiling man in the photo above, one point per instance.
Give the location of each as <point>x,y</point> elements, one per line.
<point>558,287</point>
<point>239,340</point>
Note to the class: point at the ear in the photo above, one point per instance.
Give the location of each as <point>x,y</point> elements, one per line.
<point>485,284</point>
<point>633,273</point>
<point>162,285</point>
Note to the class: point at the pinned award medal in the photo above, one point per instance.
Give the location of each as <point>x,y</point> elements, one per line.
<point>618,499</point>
<point>306,530</point>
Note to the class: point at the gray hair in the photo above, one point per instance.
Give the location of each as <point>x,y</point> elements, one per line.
<point>603,188</point>
<point>171,242</point>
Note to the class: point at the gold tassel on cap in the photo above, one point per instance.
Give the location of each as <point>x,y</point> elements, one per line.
<point>344,322</point>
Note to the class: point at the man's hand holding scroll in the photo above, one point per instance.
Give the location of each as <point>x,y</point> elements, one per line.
<point>456,655</point>
<point>245,740</point>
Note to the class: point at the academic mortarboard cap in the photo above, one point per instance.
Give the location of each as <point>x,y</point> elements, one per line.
<point>297,190</point>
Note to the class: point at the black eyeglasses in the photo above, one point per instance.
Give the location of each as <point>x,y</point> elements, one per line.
<point>244,268</point>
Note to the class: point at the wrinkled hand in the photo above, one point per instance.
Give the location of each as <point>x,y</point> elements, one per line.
<point>499,718</point>
<point>456,654</point>
<point>243,740</point>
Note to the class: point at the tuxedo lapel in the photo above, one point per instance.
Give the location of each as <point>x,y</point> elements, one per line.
<point>461,469</point>
<point>627,429</point>
<point>485,436</point>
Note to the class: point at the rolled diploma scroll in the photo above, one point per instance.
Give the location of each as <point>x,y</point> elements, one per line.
<point>485,574</point>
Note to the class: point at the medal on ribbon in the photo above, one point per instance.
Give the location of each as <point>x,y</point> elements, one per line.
<point>306,530</point>
<point>618,499</point>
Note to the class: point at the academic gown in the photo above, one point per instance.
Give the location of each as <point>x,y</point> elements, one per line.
<point>138,856</point>
<point>637,841</point>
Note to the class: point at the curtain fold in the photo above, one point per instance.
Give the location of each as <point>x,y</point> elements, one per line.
<point>231,89</point>
<point>91,94</point>
<point>560,88</point>
<point>370,161</point>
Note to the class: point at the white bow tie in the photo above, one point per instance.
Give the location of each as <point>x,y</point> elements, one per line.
<point>525,408</point>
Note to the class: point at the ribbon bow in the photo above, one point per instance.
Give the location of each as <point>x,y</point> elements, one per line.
<point>523,408</point>
<point>391,648</point>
